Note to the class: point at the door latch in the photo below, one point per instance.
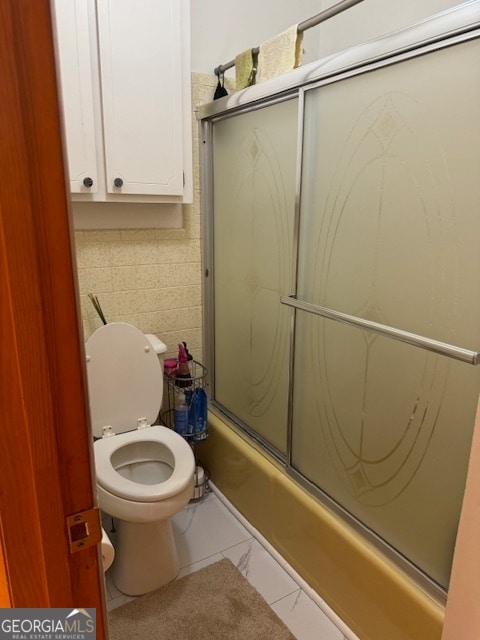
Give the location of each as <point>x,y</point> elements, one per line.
<point>84,529</point>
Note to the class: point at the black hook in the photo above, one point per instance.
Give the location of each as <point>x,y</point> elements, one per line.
<point>220,91</point>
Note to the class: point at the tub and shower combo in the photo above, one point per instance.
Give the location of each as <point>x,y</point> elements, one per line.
<point>342,302</point>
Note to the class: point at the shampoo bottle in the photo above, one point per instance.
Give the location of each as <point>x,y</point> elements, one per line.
<point>181,414</point>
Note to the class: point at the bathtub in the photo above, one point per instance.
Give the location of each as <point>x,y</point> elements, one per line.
<point>371,595</point>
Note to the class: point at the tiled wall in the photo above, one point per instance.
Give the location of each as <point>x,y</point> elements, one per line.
<point>150,278</point>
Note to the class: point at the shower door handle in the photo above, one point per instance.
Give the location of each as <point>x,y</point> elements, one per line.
<point>429,344</point>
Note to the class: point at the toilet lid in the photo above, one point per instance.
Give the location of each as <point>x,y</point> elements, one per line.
<point>125,380</point>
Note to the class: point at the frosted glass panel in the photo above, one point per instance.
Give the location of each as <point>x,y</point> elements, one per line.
<point>254,202</point>
<point>389,230</point>
<point>391,194</point>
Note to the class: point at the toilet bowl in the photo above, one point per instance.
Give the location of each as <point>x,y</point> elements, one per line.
<point>145,473</point>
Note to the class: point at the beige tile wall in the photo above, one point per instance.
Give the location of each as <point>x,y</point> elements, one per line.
<point>150,278</point>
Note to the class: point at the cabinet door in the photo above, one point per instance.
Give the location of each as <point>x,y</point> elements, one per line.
<point>140,66</point>
<point>74,63</point>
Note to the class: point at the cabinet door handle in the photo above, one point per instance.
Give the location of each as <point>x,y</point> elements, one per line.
<point>118,182</point>
<point>88,182</point>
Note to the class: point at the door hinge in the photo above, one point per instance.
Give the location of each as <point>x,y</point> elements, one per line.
<point>84,529</point>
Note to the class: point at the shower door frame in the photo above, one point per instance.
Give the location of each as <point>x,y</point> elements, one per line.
<point>443,30</point>
<point>206,162</point>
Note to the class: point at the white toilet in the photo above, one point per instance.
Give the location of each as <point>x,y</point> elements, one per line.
<point>145,474</point>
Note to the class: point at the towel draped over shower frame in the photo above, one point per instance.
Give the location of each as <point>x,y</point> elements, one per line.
<point>302,26</point>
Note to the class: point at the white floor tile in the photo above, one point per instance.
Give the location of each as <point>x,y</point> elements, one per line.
<point>261,570</point>
<point>305,619</point>
<point>115,598</point>
<point>206,528</point>
<point>208,531</point>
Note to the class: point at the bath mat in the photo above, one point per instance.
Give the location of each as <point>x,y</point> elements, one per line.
<point>214,603</point>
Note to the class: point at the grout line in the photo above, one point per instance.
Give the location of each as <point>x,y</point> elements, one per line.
<point>298,591</point>
<point>304,586</point>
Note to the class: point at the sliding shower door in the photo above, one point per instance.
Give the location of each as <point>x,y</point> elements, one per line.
<point>356,204</point>
<point>254,163</point>
<point>389,230</point>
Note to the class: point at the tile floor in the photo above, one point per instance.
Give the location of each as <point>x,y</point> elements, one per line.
<point>209,530</point>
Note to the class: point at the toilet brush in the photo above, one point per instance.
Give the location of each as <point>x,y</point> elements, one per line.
<point>98,308</point>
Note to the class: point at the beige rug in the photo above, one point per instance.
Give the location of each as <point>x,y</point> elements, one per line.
<point>214,603</point>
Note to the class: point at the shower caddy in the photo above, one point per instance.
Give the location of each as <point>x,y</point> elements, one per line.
<point>189,386</point>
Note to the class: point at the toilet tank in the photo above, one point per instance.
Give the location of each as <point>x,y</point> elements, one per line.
<point>160,349</point>
<point>159,346</point>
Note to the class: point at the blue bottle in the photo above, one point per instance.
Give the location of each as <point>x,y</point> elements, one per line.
<point>200,414</point>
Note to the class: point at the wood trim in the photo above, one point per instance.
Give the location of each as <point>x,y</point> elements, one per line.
<point>22,529</point>
<point>5,600</point>
<point>46,454</point>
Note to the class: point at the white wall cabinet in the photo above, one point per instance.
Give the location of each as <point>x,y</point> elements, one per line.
<point>125,84</point>
<point>73,47</point>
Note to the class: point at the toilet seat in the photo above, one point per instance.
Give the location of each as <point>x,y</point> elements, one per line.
<point>125,383</point>
<point>125,378</point>
<point>110,480</point>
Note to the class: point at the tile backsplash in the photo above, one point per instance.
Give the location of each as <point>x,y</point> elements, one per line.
<point>146,278</point>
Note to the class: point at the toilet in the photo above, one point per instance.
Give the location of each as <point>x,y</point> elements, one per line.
<point>145,474</point>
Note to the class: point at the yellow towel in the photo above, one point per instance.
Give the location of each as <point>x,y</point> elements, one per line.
<point>245,69</point>
<point>279,54</point>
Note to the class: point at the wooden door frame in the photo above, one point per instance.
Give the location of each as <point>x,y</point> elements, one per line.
<point>46,470</point>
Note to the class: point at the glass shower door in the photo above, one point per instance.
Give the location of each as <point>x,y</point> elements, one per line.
<point>254,165</point>
<point>389,228</point>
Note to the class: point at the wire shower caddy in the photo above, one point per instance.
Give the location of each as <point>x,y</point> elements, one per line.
<point>188,385</point>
